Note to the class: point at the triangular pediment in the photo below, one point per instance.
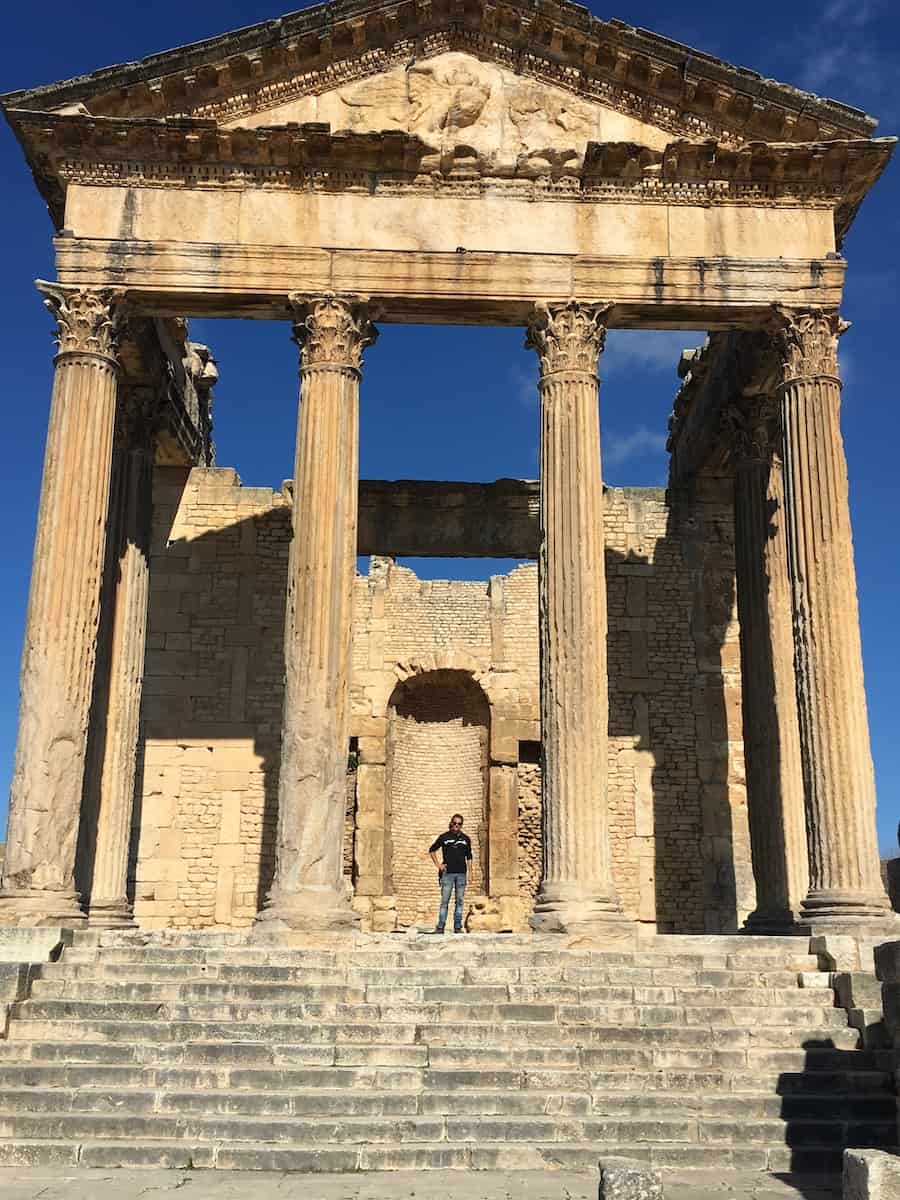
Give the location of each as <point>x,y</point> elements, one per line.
<point>339,54</point>
<point>460,105</point>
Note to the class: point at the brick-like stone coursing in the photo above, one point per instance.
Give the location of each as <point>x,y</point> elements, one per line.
<point>205,816</point>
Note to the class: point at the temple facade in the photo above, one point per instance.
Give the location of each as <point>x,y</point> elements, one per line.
<point>660,718</point>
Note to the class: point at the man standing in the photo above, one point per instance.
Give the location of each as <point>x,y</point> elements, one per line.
<point>457,851</point>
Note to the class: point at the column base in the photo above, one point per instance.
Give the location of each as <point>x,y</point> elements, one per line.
<point>33,907</point>
<point>774,923</point>
<point>112,914</point>
<point>564,909</point>
<point>311,910</point>
<point>836,907</point>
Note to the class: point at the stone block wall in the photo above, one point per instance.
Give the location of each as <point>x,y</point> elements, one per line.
<point>205,816</point>
<point>437,764</point>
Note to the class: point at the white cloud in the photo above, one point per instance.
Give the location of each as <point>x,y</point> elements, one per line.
<point>525,385</point>
<point>641,443</point>
<point>850,12</point>
<point>646,350</point>
<point>846,55</point>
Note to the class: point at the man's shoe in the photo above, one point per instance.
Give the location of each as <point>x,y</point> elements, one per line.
<point>437,930</point>
<point>459,931</point>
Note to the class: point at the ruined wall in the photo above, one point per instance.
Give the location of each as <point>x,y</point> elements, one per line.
<point>211,716</point>
<point>213,689</point>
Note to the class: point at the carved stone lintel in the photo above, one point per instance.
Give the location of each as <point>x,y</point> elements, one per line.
<point>568,337</point>
<point>88,320</point>
<point>331,331</point>
<point>807,342</point>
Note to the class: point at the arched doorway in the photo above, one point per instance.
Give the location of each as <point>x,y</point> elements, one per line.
<point>437,764</point>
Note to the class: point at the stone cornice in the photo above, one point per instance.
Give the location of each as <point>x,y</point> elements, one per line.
<point>309,157</point>
<point>327,45</point>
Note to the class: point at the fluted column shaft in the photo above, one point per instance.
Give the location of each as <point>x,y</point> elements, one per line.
<point>577,890</point>
<point>771,730</point>
<point>63,608</point>
<point>109,902</point>
<point>308,891</point>
<point>844,876</point>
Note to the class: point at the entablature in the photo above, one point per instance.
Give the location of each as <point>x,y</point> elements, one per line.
<point>468,288</point>
<point>311,158</point>
<point>419,518</point>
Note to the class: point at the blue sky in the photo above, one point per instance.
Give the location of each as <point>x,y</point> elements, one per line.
<point>460,403</point>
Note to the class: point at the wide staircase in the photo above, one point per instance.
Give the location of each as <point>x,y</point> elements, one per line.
<point>396,1052</point>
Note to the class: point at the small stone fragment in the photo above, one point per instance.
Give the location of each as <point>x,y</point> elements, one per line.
<point>629,1179</point>
<point>870,1175</point>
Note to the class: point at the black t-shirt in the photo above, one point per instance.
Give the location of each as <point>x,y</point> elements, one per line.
<point>457,848</point>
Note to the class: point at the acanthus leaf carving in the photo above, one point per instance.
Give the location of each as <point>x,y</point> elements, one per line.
<point>331,330</point>
<point>88,320</point>
<point>752,429</point>
<point>139,415</point>
<point>568,337</point>
<point>807,341</point>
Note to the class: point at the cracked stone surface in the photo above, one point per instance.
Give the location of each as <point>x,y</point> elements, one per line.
<point>66,1184</point>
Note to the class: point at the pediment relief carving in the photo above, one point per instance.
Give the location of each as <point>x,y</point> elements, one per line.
<point>462,107</point>
<point>239,76</point>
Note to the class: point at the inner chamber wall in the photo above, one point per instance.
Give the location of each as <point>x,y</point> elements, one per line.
<point>206,804</point>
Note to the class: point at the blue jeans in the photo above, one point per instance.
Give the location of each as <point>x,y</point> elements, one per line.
<point>448,883</point>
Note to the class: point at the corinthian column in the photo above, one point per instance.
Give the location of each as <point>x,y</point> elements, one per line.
<point>577,891</point>
<point>109,903</point>
<point>771,730</point>
<point>63,607</point>
<point>308,891</point>
<point>844,877</point>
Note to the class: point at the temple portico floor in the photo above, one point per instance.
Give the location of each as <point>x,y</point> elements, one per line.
<point>55,1184</point>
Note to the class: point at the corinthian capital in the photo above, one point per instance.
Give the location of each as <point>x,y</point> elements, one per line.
<point>140,410</point>
<point>751,428</point>
<point>331,330</point>
<point>568,337</point>
<point>88,320</point>
<point>807,341</point>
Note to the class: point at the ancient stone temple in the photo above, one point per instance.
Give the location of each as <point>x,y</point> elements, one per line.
<point>237,746</point>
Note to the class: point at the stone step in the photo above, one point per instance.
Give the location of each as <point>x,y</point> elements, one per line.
<point>502,1036</point>
<point>245,992</point>
<point>480,1156</point>
<point>532,1103</point>
<point>484,1011</point>
<point>760,1061</point>
<point>591,976</point>
<point>342,1129</point>
<point>28,1073</point>
<point>447,954</point>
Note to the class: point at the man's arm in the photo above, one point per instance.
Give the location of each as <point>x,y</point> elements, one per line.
<point>433,849</point>
<point>468,848</point>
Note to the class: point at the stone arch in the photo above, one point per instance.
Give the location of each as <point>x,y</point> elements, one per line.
<point>438,757</point>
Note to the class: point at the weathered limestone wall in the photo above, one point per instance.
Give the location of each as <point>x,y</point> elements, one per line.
<point>437,765</point>
<point>213,691</point>
<point>211,713</point>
